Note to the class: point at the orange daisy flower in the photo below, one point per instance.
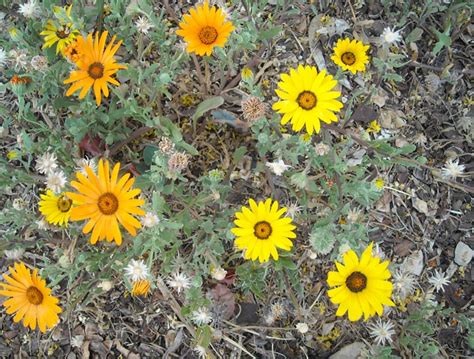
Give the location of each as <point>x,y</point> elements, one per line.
<point>106,201</point>
<point>29,298</point>
<point>204,28</point>
<point>97,66</point>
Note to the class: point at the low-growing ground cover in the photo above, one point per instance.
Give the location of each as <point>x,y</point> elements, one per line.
<point>254,179</point>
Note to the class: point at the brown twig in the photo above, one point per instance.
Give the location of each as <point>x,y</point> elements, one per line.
<point>135,134</point>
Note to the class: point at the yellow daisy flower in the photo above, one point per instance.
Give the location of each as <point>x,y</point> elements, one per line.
<point>141,288</point>
<point>71,52</point>
<point>29,298</point>
<point>350,55</point>
<point>55,209</point>
<point>361,286</point>
<point>260,230</point>
<point>307,98</point>
<point>204,28</point>
<point>61,35</point>
<point>97,66</point>
<point>106,201</point>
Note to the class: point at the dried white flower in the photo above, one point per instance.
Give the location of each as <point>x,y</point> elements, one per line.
<point>150,220</point>
<point>14,254</point>
<point>277,167</point>
<point>381,331</point>
<point>218,273</point>
<point>136,270</point>
<point>403,283</point>
<point>353,215</point>
<point>19,204</point>
<point>46,163</point>
<point>19,58</point>
<point>278,310</point>
<point>56,181</point>
<point>30,9</point>
<point>302,328</point>
<point>42,224</point>
<point>178,161</point>
<point>201,316</point>
<point>253,108</point>
<point>452,169</point>
<point>321,149</point>
<point>200,351</point>
<point>166,146</point>
<point>106,285</point>
<point>143,25</point>
<point>3,57</point>
<point>389,36</point>
<point>179,282</point>
<point>438,280</point>
<point>83,163</point>
<point>39,63</point>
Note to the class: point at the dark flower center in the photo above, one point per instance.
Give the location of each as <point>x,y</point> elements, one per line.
<point>63,32</point>
<point>262,230</point>
<point>348,58</point>
<point>96,70</point>
<point>108,203</point>
<point>34,295</point>
<point>307,100</point>
<point>356,282</point>
<point>208,35</point>
<point>64,203</point>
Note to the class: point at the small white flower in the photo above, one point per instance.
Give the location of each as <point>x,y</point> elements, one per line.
<point>403,283</point>
<point>14,254</point>
<point>302,328</point>
<point>46,163</point>
<point>19,58</point>
<point>150,220</point>
<point>143,25</point>
<point>42,224</point>
<point>321,149</point>
<point>83,163</point>
<point>56,181</point>
<point>136,270</point>
<point>218,273</point>
<point>77,341</point>
<point>200,351</point>
<point>381,331</point>
<point>179,282</point>
<point>30,9</point>
<point>438,280</point>
<point>3,57</point>
<point>277,167</point>
<point>389,36</point>
<point>19,204</point>
<point>201,316</point>
<point>452,169</point>
<point>293,209</point>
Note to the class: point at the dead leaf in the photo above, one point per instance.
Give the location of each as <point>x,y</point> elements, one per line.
<point>224,300</point>
<point>414,263</point>
<point>420,205</point>
<point>364,114</point>
<point>403,248</point>
<point>462,254</point>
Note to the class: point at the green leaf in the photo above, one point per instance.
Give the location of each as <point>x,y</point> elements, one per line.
<point>207,105</point>
<point>414,36</point>
<point>239,153</point>
<point>322,238</point>
<point>270,33</point>
<point>148,154</point>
